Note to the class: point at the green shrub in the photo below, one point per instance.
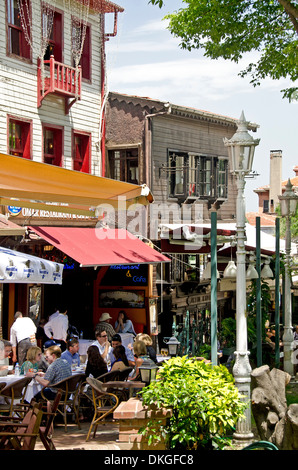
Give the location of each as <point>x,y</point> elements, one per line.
<point>204,400</point>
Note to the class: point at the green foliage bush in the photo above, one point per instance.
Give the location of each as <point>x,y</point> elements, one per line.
<point>204,400</point>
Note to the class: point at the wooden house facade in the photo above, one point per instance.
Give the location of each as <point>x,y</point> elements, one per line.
<point>179,152</point>
<point>53,90</point>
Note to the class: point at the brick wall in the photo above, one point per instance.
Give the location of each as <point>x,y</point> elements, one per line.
<point>132,416</point>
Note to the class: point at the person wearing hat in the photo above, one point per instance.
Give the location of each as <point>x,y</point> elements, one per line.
<point>104,325</point>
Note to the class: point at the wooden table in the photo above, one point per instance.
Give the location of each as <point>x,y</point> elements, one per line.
<point>129,385</point>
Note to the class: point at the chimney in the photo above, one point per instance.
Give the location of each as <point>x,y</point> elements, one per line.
<point>275,179</point>
<point>295,169</point>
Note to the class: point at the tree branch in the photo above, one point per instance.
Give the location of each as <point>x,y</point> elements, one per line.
<point>292,12</point>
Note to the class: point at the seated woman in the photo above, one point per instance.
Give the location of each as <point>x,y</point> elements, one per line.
<point>123,324</point>
<point>140,352</point>
<point>148,342</point>
<point>121,361</point>
<point>33,358</point>
<point>96,365</point>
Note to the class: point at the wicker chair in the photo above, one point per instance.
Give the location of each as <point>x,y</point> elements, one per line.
<point>104,404</point>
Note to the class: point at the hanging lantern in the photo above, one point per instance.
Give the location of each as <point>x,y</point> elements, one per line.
<point>266,272</point>
<point>230,270</point>
<point>251,272</point>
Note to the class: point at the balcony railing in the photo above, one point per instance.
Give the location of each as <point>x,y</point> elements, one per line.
<point>59,79</point>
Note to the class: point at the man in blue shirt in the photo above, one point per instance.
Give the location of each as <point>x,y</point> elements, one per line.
<point>71,354</point>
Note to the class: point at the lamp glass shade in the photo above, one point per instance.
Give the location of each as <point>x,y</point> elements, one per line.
<point>173,344</point>
<point>207,272</point>
<point>145,375</point>
<point>241,147</point>
<point>251,272</point>
<point>172,349</point>
<point>288,201</point>
<point>230,270</point>
<point>266,272</point>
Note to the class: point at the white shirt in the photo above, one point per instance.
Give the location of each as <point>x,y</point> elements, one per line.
<point>22,328</point>
<point>55,314</point>
<point>57,327</point>
<point>102,349</point>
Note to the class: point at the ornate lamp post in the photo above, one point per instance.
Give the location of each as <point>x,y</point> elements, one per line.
<point>241,149</point>
<point>288,203</point>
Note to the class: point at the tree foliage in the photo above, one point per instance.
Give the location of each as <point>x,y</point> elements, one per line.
<point>230,28</point>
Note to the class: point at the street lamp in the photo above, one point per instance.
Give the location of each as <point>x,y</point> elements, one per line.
<point>288,203</point>
<point>148,370</point>
<point>241,149</point>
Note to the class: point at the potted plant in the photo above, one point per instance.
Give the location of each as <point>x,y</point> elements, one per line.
<point>204,400</point>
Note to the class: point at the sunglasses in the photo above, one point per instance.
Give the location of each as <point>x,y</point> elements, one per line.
<point>104,336</point>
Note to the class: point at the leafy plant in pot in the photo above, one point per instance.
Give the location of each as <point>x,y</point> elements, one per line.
<point>204,400</point>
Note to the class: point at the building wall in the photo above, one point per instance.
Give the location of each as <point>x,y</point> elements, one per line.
<point>189,135</point>
<point>135,120</point>
<point>18,91</point>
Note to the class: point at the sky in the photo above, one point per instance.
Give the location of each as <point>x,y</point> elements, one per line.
<point>144,59</point>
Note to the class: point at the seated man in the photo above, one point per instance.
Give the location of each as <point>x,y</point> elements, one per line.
<point>103,344</point>
<point>59,369</point>
<point>71,354</point>
<point>116,341</point>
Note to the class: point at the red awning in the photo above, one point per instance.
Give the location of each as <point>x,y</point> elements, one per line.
<point>100,246</point>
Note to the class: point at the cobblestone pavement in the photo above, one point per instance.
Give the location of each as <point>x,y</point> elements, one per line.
<point>75,438</point>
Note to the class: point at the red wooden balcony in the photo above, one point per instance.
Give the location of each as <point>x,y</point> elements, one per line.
<point>59,79</point>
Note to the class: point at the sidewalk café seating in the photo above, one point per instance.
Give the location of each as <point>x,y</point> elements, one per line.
<point>20,434</point>
<point>104,404</point>
<point>14,394</point>
<point>124,389</point>
<point>108,376</point>
<point>124,373</point>
<point>69,388</point>
<point>85,394</point>
<point>46,429</point>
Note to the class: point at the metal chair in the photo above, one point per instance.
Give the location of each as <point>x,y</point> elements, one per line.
<point>104,404</point>
<point>68,404</point>
<point>13,392</point>
<point>20,435</point>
